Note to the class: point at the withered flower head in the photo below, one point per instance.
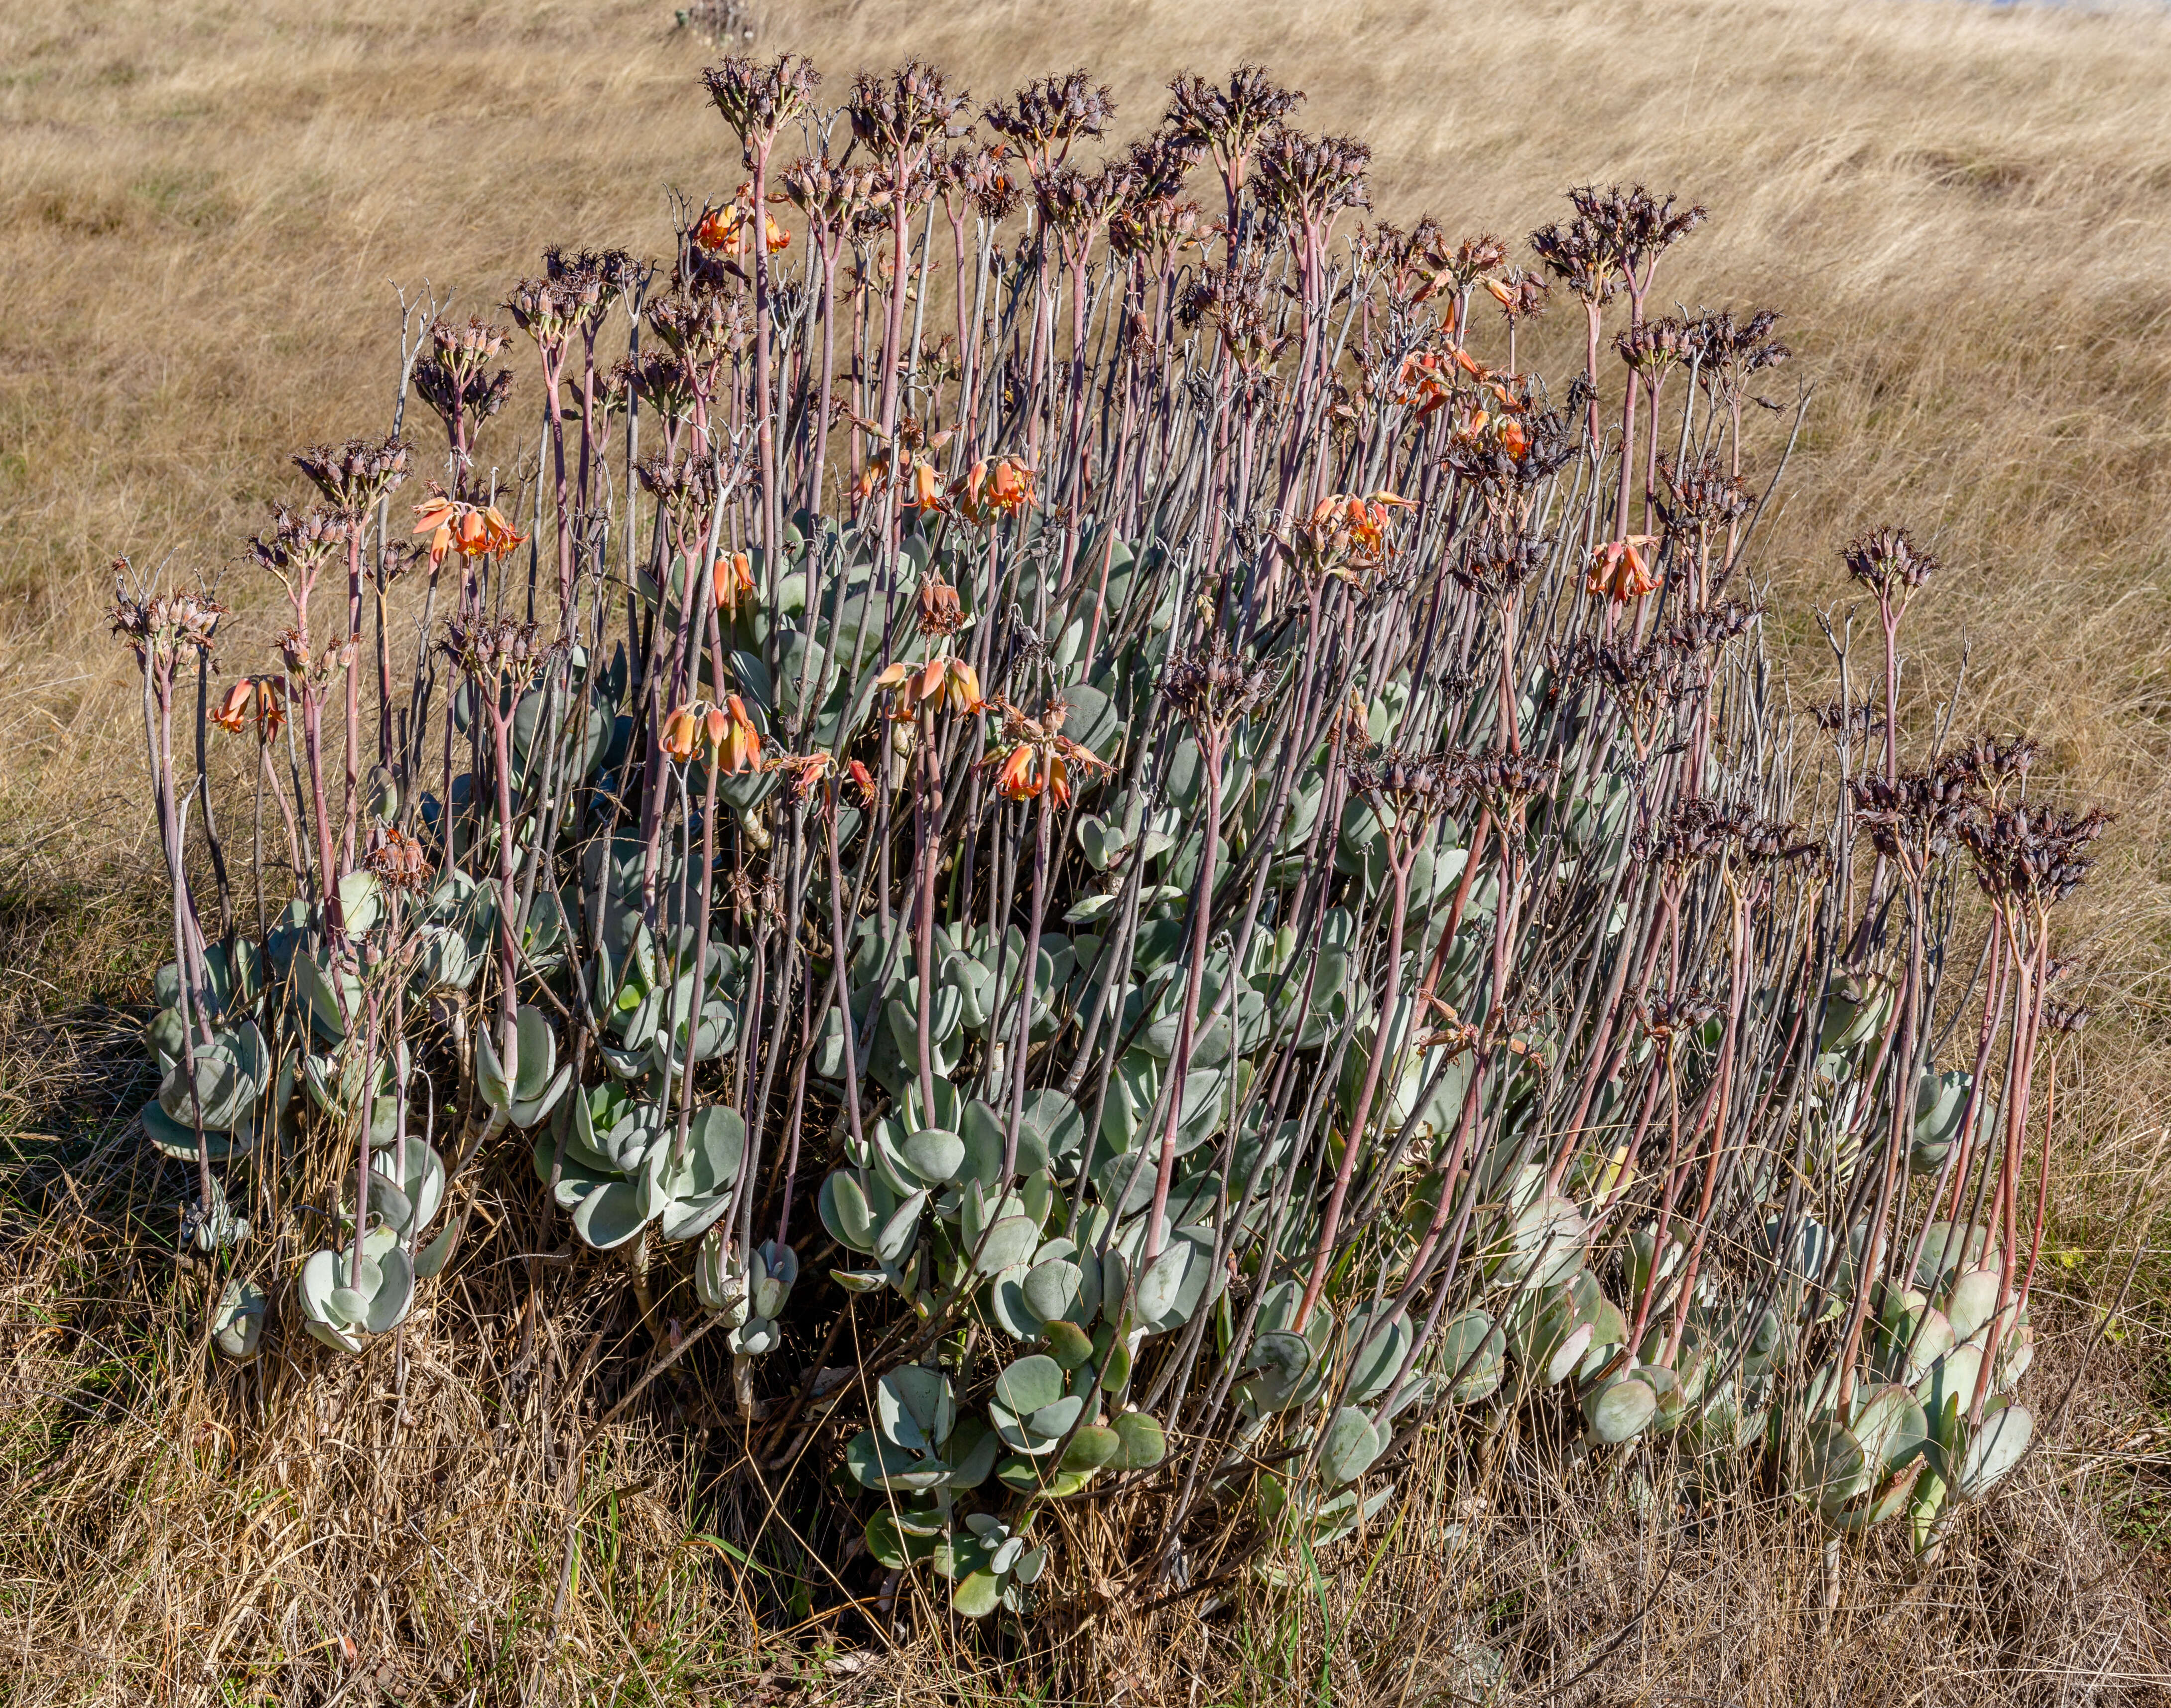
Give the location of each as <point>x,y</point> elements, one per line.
<point>1700,634</point>
<point>1700,495</point>
<point>1505,781</point>
<point>1074,204</point>
<point>1228,122</point>
<point>1655,348</point>
<point>981,176</point>
<point>1521,295</point>
<point>452,373</point>
<point>1915,819</point>
<point>1727,353</point>
<point>1215,686</point>
<point>702,327</point>
<point>1157,165</point>
<point>355,475</point>
<point>1497,559</point>
<point>1989,762</point>
<point>1308,180</point>
<point>1418,787</point>
<point>1637,226</point>
<point>902,115</point>
<point>759,100</point>
<point>1581,256</point>
<point>398,862</point>
<point>298,543</point>
<point>1666,1016</point>
<point>588,281</point>
<point>1501,462</point>
<point>1050,114</point>
<point>1890,565</point>
<point>497,651</point>
<point>159,626</point>
<point>940,612</point>
<point>2032,855</point>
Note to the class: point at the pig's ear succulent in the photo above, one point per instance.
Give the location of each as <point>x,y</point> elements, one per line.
<point>346,1302</point>
<point>236,1325</point>
<point>1214,1002</point>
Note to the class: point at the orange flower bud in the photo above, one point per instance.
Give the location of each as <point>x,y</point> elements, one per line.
<point>681,731</point>
<point>234,708</point>
<point>1016,781</point>
<point>741,750</point>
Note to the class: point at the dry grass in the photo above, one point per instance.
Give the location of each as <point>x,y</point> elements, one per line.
<point>1965,213</point>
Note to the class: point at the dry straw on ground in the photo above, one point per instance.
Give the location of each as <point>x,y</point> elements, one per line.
<point>1965,213</point>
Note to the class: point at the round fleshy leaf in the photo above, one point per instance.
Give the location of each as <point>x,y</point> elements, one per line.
<point>1988,1452</point>
<point>1143,1444</point>
<point>1068,1344</point>
<point>1092,1448</point>
<point>394,1292</point>
<point>933,1156</point>
<point>1620,1409</point>
<point>1033,1382</point>
<point>844,1212</point>
<point>914,1407</point>
<point>1010,1244</point>
<point>1350,1446</point>
<point>610,1215</point>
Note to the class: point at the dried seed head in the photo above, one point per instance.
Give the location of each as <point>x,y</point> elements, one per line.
<point>500,651</point>
<point>903,115</point>
<point>353,476</point>
<point>1655,348</point>
<point>1418,787</point>
<point>1229,123</point>
<point>452,374</point>
<point>1505,781</point>
<point>1890,565</point>
<point>1215,686</point>
<point>1308,180</point>
<point>298,543</point>
<point>1727,353</point>
<point>398,862</point>
<point>1635,225</point>
<point>1497,559</point>
<point>160,626</point>
<point>1700,496</point>
<point>759,100</point>
<point>1050,114</point>
<point>2031,855</point>
<point>702,327</point>
<point>1581,256</point>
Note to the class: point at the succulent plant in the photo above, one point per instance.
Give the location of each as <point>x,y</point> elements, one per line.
<point>345,1302</point>
<point>1238,996</point>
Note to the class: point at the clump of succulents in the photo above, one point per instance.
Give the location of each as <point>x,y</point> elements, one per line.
<point>1197,862</point>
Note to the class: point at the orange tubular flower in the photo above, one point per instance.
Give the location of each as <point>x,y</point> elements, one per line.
<point>1018,778</point>
<point>265,695</point>
<point>806,770</point>
<point>924,490</point>
<point>863,780</point>
<point>739,748</point>
<point>939,683</point>
<point>234,709</point>
<point>734,580</point>
<point>1620,572</point>
<point>454,525</point>
<point>994,490</point>
<point>681,731</point>
<point>731,228</point>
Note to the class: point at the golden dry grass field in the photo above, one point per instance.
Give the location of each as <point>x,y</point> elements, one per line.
<point>1963,212</point>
